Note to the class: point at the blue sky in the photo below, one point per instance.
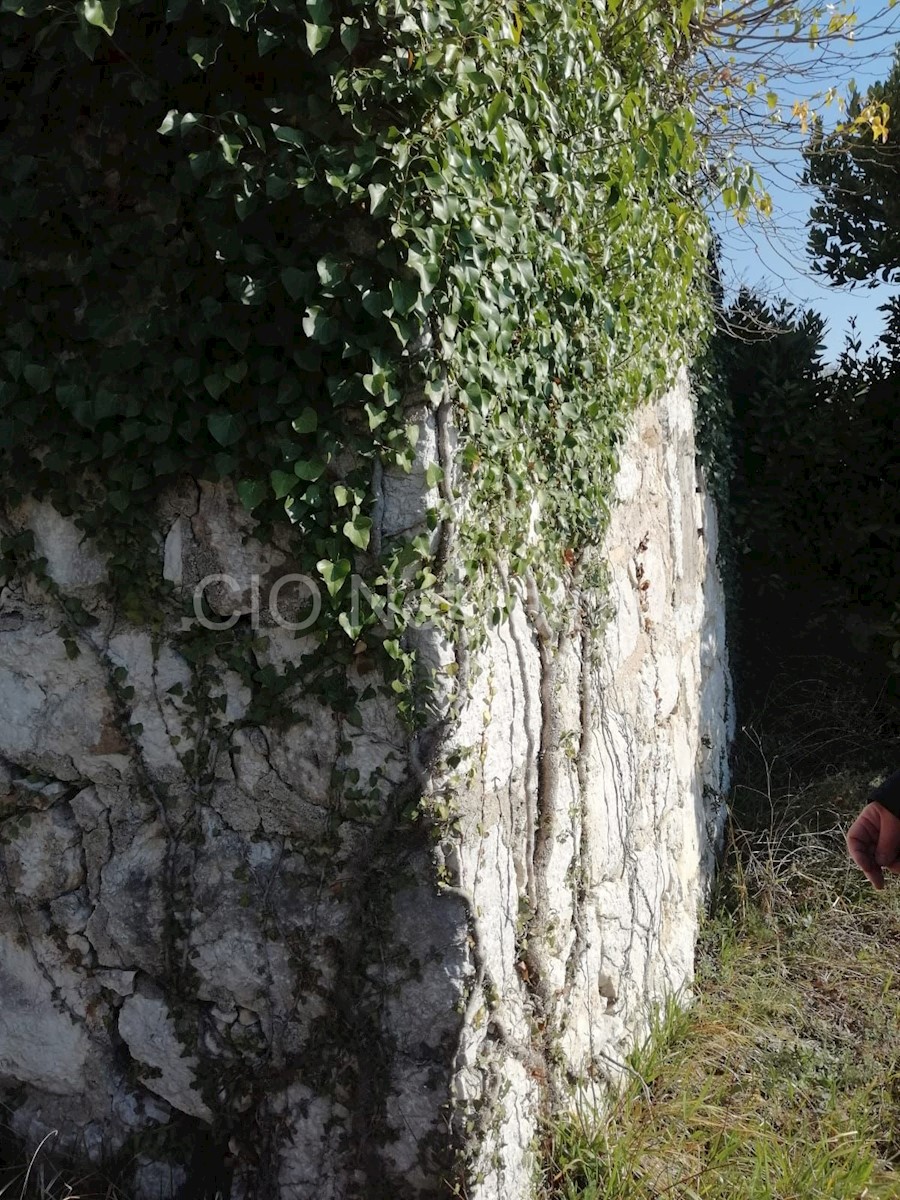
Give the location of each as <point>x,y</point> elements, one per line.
<point>771,254</point>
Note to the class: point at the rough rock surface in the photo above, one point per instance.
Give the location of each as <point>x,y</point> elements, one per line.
<point>228,958</point>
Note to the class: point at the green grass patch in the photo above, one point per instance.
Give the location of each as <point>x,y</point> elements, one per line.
<point>781,1079</point>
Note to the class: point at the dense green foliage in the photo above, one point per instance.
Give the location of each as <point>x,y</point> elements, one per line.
<point>805,465</point>
<point>239,238</point>
<point>855,224</point>
<point>772,373</point>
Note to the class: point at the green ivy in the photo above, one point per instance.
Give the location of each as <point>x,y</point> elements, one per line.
<point>236,238</point>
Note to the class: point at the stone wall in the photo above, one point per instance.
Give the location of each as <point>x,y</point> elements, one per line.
<point>326,957</point>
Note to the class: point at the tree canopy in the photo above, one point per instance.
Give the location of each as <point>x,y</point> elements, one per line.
<point>855,224</point>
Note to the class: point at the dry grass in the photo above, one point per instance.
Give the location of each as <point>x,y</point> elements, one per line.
<point>782,1080</point>
<point>40,1177</point>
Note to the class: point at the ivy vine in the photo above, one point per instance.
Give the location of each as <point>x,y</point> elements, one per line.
<point>239,239</point>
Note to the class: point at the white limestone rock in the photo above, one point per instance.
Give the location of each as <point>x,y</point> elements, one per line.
<point>42,853</point>
<point>43,1043</point>
<point>148,1029</point>
<point>72,561</point>
<point>216,540</point>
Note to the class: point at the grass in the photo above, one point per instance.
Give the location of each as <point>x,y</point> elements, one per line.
<point>781,1080</point>
<point>39,1177</point>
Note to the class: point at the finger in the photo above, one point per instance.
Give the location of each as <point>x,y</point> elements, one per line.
<point>860,847</point>
<point>870,869</point>
<point>873,873</point>
<point>886,852</point>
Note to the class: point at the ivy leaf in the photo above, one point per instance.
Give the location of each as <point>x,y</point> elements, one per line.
<point>101,13</point>
<point>225,464</point>
<point>215,385</point>
<point>307,358</point>
<point>170,122</point>
<point>277,188</point>
<point>130,431</point>
<point>105,405</point>
<point>334,573</point>
<point>317,36</point>
<point>349,34</point>
<point>240,12</point>
<point>404,294</point>
<point>283,484</point>
<point>236,371</point>
<point>15,362</point>
<point>330,270</point>
<point>287,133</point>
<point>225,427</point>
<point>352,631</point>
<point>288,390</point>
<point>379,194</point>
<point>9,273</point>
<point>427,268</point>
<point>307,422</point>
<point>70,395</point>
<point>298,284</point>
<point>358,531</point>
<point>231,148</point>
<point>186,370</point>
<point>267,40</point>
<point>309,469</point>
<point>319,326</point>
<point>86,37</point>
<point>433,474</point>
<point>376,414</point>
<point>252,492</point>
<point>20,333</point>
<point>38,377</point>
<point>377,304</point>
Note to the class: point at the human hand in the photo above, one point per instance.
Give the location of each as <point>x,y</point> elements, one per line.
<point>874,843</point>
